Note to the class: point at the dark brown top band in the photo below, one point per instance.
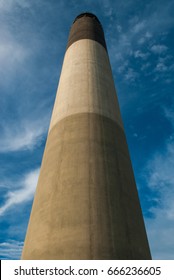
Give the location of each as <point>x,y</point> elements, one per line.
<point>86,26</point>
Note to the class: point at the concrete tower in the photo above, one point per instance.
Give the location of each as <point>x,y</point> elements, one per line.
<point>86,204</point>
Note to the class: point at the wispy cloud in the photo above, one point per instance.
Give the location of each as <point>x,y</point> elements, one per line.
<point>22,82</point>
<point>130,75</point>
<point>145,66</point>
<point>140,54</point>
<point>145,38</point>
<point>160,179</point>
<point>13,56</point>
<point>161,175</point>
<point>11,52</point>
<point>123,66</point>
<point>9,4</point>
<point>158,49</point>
<point>139,26</point>
<point>11,250</point>
<point>142,31</point>
<point>161,67</point>
<point>23,193</point>
<point>169,114</point>
<point>24,135</point>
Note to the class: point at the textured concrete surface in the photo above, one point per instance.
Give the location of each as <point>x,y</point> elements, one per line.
<point>86,204</point>
<point>86,83</point>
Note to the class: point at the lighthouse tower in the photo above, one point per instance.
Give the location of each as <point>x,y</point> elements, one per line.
<point>86,204</point>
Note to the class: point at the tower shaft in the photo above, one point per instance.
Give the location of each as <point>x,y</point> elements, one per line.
<point>86,204</point>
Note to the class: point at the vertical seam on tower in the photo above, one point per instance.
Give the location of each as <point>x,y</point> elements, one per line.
<point>105,165</point>
<point>107,189</point>
<point>122,202</point>
<point>89,184</point>
<point>62,149</point>
<point>99,98</point>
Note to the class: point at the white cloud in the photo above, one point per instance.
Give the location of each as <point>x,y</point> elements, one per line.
<point>22,135</point>
<point>11,249</point>
<point>165,59</point>
<point>160,234</point>
<point>9,4</point>
<point>142,40</point>
<point>123,66</point>
<point>139,26</point>
<point>158,49</point>
<point>140,54</point>
<point>142,31</point>
<point>11,52</point>
<point>161,167</point>
<point>139,32</point>
<point>108,9</point>
<point>21,129</point>
<point>22,194</point>
<point>6,4</point>
<point>169,114</point>
<point>148,35</point>
<point>135,135</point>
<point>131,75</point>
<point>145,38</point>
<point>116,56</point>
<point>161,67</point>
<point>161,179</point>
<point>13,55</point>
<point>164,64</point>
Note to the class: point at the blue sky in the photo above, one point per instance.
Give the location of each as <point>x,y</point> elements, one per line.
<point>139,36</point>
